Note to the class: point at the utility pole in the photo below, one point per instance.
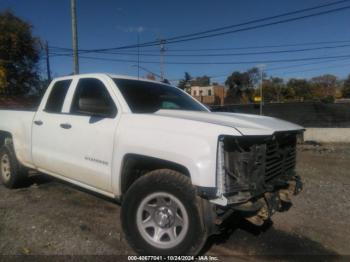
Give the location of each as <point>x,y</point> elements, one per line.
<point>138,55</point>
<point>48,70</point>
<point>261,88</point>
<point>162,50</point>
<point>74,37</point>
<point>146,70</point>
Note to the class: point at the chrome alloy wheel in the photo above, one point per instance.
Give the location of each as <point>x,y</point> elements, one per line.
<point>5,167</point>
<point>162,220</point>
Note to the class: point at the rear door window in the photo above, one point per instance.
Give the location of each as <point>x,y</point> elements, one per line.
<point>56,98</point>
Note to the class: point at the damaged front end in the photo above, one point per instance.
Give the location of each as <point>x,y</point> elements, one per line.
<point>256,175</point>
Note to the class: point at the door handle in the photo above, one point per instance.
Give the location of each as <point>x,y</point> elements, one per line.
<point>38,122</point>
<point>66,126</point>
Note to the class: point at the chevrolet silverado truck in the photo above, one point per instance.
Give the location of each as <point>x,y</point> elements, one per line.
<point>178,169</point>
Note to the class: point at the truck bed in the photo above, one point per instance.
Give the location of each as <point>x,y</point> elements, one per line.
<point>18,123</point>
<point>21,104</point>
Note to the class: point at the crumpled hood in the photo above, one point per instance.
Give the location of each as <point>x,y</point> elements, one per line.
<point>246,124</point>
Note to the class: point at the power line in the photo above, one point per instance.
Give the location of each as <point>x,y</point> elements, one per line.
<point>219,63</point>
<point>231,54</point>
<point>147,70</point>
<point>194,36</point>
<point>260,26</point>
<point>280,68</point>
<point>306,64</point>
<point>256,47</point>
<point>61,49</point>
<point>315,69</point>
<point>288,72</point>
<point>199,35</point>
<point>224,54</point>
<point>256,20</point>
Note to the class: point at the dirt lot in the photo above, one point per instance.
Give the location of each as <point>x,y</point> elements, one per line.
<point>50,217</point>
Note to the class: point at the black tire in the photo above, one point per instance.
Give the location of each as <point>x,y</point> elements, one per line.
<point>15,174</point>
<point>177,185</point>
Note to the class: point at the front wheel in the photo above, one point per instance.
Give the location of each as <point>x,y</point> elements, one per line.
<point>161,215</point>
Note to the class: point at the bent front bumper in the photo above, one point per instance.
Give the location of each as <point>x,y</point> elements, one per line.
<point>261,208</point>
<point>272,202</point>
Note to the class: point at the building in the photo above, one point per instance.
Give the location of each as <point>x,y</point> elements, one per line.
<point>209,95</point>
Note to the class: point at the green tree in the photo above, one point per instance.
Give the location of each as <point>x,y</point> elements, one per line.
<point>242,84</point>
<point>254,75</point>
<point>19,55</point>
<point>278,84</point>
<point>201,81</point>
<point>301,88</point>
<point>323,86</point>
<point>188,77</point>
<point>346,88</point>
<point>287,93</point>
<point>272,89</point>
<point>238,82</point>
<point>240,89</point>
<point>185,82</point>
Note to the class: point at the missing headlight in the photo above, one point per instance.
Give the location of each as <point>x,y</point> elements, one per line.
<point>248,166</point>
<point>240,167</point>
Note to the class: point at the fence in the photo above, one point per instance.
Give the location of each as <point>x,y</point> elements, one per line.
<point>307,114</point>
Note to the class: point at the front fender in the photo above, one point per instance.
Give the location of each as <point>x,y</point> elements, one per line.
<point>188,143</point>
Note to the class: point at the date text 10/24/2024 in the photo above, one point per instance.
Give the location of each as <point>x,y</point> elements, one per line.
<point>173,258</point>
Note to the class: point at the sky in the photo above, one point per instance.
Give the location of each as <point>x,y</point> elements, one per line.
<point>110,23</point>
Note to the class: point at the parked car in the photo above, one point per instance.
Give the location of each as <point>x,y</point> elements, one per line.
<point>178,169</point>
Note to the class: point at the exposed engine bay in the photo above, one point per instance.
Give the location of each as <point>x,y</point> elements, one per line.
<point>257,174</point>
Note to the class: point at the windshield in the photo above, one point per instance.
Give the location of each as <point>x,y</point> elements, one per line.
<point>148,97</point>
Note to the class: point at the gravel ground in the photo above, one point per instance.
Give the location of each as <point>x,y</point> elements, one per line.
<point>53,218</point>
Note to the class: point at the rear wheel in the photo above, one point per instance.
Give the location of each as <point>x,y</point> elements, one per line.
<point>161,215</point>
<point>11,172</point>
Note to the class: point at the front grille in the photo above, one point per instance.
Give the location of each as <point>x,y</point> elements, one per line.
<point>280,155</point>
<point>254,164</point>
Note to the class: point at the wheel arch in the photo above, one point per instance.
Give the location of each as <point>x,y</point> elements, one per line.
<point>3,136</point>
<point>134,166</point>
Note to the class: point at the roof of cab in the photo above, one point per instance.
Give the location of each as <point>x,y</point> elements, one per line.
<point>109,75</point>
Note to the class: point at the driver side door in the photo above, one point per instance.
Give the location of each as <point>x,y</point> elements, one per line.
<point>88,130</point>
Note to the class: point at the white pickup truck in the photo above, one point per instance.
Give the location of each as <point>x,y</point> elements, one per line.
<point>178,169</point>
